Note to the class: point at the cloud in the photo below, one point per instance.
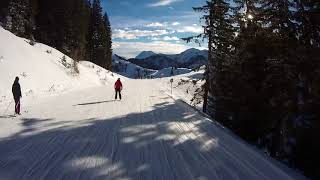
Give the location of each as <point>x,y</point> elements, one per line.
<point>165,38</point>
<point>121,22</point>
<point>162,3</point>
<point>191,29</point>
<point>174,38</point>
<point>135,34</point>
<point>155,24</point>
<point>175,24</point>
<point>132,49</point>
<point>155,38</point>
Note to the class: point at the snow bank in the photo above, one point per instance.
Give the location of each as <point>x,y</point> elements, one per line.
<point>41,70</point>
<point>186,87</point>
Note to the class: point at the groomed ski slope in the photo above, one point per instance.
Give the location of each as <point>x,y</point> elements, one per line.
<point>148,135</point>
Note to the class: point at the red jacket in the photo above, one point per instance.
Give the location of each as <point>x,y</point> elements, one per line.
<point>118,85</point>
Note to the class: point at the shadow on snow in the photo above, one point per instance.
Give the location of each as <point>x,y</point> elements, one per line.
<point>92,103</point>
<point>135,146</point>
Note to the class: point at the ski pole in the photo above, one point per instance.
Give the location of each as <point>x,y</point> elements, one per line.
<point>7,108</point>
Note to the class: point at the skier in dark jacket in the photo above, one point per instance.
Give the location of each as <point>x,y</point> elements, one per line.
<point>118,88</point>
<point>16,91</point>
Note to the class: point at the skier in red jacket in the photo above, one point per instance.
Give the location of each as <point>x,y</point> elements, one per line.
<point>118,88</point>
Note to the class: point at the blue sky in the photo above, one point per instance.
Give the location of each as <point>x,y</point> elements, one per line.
<point>156,25</point>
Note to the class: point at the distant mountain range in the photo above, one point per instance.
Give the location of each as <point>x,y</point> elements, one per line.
<point>145,54</point>
<point>123,67</point>
<point>191,58</point>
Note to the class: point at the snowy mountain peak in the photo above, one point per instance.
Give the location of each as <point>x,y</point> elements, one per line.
<point>191,50</point>
<point>145,54</point>
<point>191,58</point>
<point>186,55</point>
<point>122,66</point>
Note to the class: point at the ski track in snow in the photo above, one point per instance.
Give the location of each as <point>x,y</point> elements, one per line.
<point>148,135</point>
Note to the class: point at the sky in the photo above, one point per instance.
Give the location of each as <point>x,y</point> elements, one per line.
<point>153,25</point>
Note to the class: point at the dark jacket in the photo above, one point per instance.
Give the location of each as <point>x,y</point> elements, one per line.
<point>16,90</point>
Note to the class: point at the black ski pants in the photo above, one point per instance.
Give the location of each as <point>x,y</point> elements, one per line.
<point>118,91</point>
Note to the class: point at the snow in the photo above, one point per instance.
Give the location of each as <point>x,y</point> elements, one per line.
<point>166,72</point>
<point>82,133</point>
<point>41,71</point>
<point>188,54</point>
<point>191,58</point>
<point>128,69</point>
<point>185,87</point>
<point>147,135</point>
<point>133,71</point>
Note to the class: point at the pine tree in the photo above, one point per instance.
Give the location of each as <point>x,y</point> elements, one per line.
<point>206,34</point>
<point>63,25</point>
<point>220,33</point>
<point>94,41</point>
<point>52,23</point>
<point>281,73</point>
<point>308,68</point>
<point>19,17</point>
<point>246,71</point>
<point>109,42</point>
<point>263,79</point>
<point>3,8</point>
<point>99,37</point>
<point>77,31</point>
